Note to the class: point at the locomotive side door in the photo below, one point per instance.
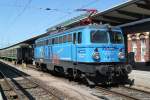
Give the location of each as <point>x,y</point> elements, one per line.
<point>74,48</point>
<point>76,41</point>
<point>50,51</point>
<point>50,54</point>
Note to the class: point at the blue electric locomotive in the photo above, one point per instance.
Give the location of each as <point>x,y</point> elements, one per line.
<point>93,52</point>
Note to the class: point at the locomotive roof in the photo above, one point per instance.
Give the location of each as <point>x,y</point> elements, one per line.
<point>101,26</point>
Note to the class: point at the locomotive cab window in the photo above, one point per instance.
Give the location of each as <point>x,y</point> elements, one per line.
<point>77,38</point>
<point>98,36</point>
<point>74,38</point>
<point>116,37</point>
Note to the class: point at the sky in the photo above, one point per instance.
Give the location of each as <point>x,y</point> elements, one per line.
<point>24,19</point>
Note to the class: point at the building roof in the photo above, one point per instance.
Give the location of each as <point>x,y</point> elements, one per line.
<point>133,10</point>
<point>28,41</point>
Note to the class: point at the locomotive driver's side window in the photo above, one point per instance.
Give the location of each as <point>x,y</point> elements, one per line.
<point>74,38</point>
<point>79,37</point>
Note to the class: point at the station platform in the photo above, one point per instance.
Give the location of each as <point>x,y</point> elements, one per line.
<point>142,66</point>
<point>142,79</point>
<point>1,98</point>
<point>1,94</point>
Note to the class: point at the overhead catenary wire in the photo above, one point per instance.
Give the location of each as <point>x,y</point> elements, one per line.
<point>75,10</point>
<point>27,6</point>
<point>37,8</point>
<point>17,17</point>
<point>23,10</point>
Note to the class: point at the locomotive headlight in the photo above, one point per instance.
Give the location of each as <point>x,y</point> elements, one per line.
<point>121,55</point>
<point>96,55</point>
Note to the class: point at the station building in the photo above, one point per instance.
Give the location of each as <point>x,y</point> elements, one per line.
<point>139,44</point>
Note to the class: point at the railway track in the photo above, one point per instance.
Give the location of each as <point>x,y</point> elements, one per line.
<point>122,92</point>
<point>125,93</point>
<point>132,92</point>
<point>24,87</point>
<point>10,89</point>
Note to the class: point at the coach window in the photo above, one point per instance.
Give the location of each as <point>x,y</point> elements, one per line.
<point>74,38</point>
<point>69,38</point>
<point>37,44</point>
<point>79,37</point>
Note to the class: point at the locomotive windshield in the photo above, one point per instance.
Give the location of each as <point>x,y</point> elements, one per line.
<point>98,36</point>
<point>116,37</point>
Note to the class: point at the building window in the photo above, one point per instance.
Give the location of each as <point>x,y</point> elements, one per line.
<point>143,49</point>
<point>134,48</point>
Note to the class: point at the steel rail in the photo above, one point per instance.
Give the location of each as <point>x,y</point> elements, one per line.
<point>32,81</point>
<point>117,93</point>
<point>136,90</point>
<point>12,87</point>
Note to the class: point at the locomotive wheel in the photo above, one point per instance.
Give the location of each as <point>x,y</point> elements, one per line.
<point>70,74</point>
